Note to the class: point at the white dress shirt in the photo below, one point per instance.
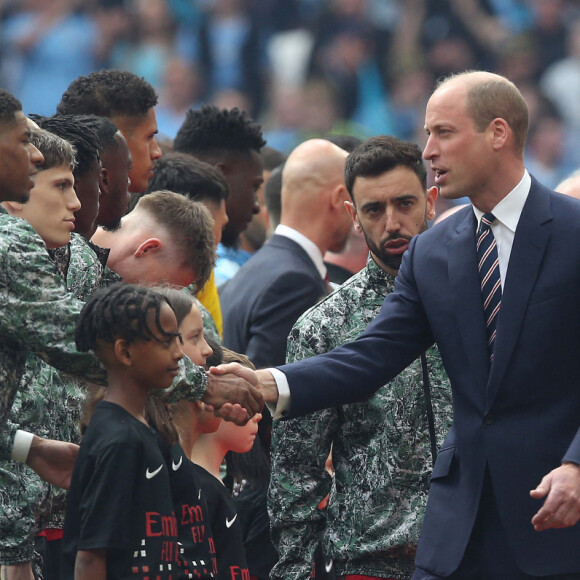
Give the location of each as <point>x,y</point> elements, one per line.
<point>507,213</point>
<point>307,245</point>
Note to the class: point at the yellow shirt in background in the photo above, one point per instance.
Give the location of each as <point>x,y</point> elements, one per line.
<point>209,297</point>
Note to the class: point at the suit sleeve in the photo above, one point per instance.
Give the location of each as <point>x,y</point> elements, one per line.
<point>274,314</point>
<point>353,372</point>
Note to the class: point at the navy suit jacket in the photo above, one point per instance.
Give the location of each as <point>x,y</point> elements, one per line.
<point>521,416</point>
<point>261,303</point>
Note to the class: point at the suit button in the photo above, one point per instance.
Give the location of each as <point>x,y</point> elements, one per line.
<point>489,419</point>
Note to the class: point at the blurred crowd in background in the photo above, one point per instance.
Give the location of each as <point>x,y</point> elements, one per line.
<point>305,68</point>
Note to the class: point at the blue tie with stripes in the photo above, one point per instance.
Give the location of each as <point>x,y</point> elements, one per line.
<point>488,264</point>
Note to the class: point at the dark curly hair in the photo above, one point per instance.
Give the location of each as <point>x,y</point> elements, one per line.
<point>108,93</point>
<point>9,106</point>
<point>82,131</point>
<point>184,174</point>
<point>379,154</point>
<point>106,131</point>
<point>210,132</point>
<point>119,311</point>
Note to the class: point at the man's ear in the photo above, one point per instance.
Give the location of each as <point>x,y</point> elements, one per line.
<point>351,209</point>
<point>432,194</point>
<point>104,182</point>
<point>151,245</point>
<point>339,196</point>
<point>12,207</point>
<point>123,352</point>
<point>223,167</point>
<point>500,132</point>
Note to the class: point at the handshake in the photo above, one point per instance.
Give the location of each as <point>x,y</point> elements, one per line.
<point>236,393</point>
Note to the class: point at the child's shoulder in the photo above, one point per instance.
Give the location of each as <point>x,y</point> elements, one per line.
<point>111,424</point>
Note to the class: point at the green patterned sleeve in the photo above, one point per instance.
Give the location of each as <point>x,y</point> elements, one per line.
<point>7,440</point>
<point>36,313</point>
<point>20,492</point>
<point>209,326</point>
<point>299,480</point>
<point>190,384</point>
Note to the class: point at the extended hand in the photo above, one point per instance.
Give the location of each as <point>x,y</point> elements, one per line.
<point>561,508</point>
<point>53,460</point>
<point>232,394</point>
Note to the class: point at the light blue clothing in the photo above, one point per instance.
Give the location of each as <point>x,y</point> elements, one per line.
<point>229,261</point>
<point>40,76</point>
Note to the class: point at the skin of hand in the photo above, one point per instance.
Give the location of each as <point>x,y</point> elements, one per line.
<point>263,379</point>
<point>91,565</point>
<point>561,488</point>
<point>233,396</point>
<point>53,460</point>
<point>21,571</point>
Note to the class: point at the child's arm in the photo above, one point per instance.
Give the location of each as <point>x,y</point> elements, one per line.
<point>91,565</point>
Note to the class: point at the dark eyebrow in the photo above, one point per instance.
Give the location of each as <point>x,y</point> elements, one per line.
<point>372,204</point>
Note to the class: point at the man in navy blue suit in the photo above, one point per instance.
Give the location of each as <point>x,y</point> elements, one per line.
<point>285,277</point>
<point>515,371</point>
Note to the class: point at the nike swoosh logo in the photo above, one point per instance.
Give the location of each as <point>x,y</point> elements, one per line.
<point>199,495</point>
<point>176,466</point>
<point>230,522</point>
<point>328,566</point>
<point>151,474</point>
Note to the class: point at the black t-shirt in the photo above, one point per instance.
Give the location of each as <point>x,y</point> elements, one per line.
<point>120,501</point>
<point>191,511</point>
<point>226,529</point>
<point>252,507</point>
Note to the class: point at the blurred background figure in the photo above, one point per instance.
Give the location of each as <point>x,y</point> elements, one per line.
<point>38,63</point>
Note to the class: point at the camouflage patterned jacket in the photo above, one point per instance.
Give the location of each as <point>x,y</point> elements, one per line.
<point>36,316</point>
<point>84,267</point>
<point>47,402</point>
<point>380,452</point>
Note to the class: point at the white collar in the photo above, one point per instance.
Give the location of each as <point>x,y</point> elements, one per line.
<point>509,209</point>
<point>307,245</point>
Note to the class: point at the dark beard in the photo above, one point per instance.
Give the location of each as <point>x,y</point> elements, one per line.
<point>230,238</point>
<point>393,262</point>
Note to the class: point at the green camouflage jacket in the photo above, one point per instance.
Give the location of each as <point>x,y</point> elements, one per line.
<point>36,316</point>
<point>380,452</point>
<point>84,267</point>
<point>47,402</point>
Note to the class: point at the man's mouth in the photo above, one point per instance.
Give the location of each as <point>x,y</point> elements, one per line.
<point>397,246</point>
<point>439,175</point>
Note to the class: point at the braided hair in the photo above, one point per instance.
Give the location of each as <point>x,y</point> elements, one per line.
<point>119,311</point>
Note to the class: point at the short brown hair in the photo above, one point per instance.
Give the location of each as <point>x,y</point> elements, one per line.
<point>190,226</point>
<point>493,96</point>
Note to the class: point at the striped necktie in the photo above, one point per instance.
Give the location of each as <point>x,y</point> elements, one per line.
<point>488,264</point>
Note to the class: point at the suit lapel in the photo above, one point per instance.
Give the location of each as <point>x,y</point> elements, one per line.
<point>300,252</point>
<point>530,242</point>
<point>465,288</point>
